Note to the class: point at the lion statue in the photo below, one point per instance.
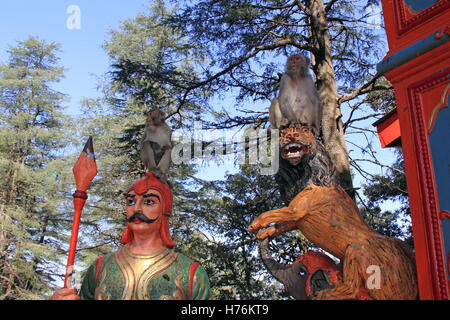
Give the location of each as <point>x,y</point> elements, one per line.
<point>382,267</point>
<point>303,161</point>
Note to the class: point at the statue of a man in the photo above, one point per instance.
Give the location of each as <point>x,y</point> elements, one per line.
<point>146,267</point>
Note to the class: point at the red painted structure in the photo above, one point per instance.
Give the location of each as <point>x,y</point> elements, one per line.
<point>418,66</point>
<point>388,128</point>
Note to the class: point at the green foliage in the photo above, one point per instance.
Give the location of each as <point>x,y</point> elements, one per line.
<point>389,187</point>
<point>382,100</point>
<point>33,173</point>
<point>219,236</point>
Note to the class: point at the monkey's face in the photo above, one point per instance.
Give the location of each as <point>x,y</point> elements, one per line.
<point>155,117</point>
<point>297,63</point>
<point>295,60</point>
<point>295,143</point>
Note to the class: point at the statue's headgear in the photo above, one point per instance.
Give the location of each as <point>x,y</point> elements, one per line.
<point>141,186</point>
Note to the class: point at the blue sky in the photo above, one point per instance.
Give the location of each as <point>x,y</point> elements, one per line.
<point>82,53</point>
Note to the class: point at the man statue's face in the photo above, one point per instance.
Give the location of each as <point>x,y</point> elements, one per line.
<point>144,211</point>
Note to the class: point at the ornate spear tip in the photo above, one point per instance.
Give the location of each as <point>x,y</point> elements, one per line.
<point>85,169</point>
<point>89,148</point>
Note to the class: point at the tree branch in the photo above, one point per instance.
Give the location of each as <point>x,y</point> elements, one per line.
<point>379,164</point>
<point>367,87</point>
<point>329,5</point>
<point>278,44</point>
<point>289,5</point>
<point>349,121</point>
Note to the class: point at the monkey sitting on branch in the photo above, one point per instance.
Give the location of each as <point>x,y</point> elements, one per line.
<point>298,101</point>
<point>156,144</point>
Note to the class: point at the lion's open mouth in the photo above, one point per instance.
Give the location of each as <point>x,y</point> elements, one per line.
<point>294,150</point>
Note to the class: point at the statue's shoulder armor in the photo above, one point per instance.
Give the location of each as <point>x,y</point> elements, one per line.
<point>90,279</point>
<point>100,263</point>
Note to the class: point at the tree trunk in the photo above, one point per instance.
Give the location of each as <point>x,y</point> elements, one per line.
<point>3,233</point>
<point>332,126</point>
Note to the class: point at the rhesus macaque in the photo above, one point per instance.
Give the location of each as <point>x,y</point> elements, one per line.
<point>156,144</point>
<point>298,99</point>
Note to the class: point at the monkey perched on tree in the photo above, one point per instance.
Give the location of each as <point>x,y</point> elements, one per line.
<point>156,144</point>
<point>298,100</point>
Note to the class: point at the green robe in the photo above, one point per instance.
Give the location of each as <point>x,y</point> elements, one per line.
<point>166,275</point>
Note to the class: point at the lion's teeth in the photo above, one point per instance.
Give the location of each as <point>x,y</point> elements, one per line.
<point>298,153</point>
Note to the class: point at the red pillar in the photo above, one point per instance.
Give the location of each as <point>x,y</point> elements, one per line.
<point>418,66</point>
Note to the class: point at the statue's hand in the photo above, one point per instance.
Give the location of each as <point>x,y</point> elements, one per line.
<point>65,294</point>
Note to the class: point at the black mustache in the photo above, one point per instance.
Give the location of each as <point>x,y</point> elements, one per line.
<point>142,217</point>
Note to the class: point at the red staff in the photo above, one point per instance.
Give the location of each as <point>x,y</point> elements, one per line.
<point>84,171</point>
